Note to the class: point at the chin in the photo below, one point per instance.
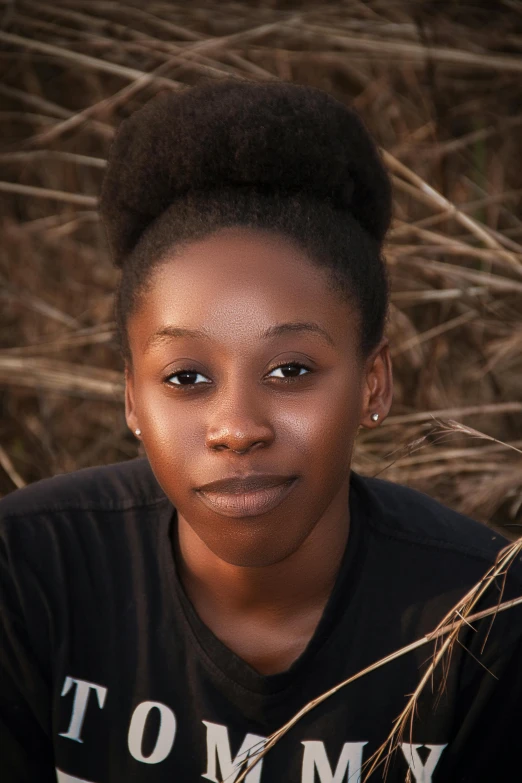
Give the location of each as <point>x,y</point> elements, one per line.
<point>252,554</point>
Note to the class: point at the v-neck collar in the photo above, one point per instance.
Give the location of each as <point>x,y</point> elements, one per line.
<point>221,659</point>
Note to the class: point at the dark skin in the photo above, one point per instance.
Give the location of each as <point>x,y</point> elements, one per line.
<point>247,395</point>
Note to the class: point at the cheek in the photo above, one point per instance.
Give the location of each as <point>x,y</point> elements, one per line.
<point>329,458</point>
<point>322,426</point>
<point>171,432</point>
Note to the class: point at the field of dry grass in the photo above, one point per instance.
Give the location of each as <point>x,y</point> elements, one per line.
<point>440,86</point>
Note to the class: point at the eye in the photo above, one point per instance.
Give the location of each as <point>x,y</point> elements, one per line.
<point>186,378</point>
<point>190,378</point>
<point>289,371</point>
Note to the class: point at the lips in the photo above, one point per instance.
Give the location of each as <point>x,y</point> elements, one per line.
<point>246,496</point>
<point>240,484</point>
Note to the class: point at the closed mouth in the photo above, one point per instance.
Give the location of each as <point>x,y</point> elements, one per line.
<point>246,497</point>
<point>247,483</point>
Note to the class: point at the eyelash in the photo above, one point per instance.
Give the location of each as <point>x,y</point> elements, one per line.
<point>194,385</point>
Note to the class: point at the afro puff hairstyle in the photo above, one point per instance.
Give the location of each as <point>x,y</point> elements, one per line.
<point>275,156</point>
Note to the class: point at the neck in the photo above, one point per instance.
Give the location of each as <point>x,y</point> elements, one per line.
<point>300,583</point>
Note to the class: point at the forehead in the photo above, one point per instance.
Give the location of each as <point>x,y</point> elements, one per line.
<point>239,282</point>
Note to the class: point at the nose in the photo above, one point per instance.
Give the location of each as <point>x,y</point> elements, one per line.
<point>239,423</point>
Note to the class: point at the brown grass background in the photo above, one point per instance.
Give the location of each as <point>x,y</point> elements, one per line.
<point>438,83</point>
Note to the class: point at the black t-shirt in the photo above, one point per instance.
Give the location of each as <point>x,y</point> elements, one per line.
<point>107,674</point>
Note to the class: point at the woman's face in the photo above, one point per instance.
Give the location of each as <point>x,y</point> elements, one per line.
<point>246,369</point>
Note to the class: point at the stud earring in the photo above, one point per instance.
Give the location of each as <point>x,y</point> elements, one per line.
<point>374,417</point>
<point>137,433</point>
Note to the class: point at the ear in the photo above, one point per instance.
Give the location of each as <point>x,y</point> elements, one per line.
<point>378,386</point>
<point>130,406</point>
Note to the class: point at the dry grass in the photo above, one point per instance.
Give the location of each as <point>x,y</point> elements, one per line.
<point>437,83</point>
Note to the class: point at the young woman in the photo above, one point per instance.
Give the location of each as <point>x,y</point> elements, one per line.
<point>163,616</point>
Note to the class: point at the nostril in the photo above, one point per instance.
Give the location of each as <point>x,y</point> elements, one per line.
<point>225,447</point>
<point>239,439</point>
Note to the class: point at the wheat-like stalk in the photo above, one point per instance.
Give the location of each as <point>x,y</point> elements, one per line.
<point>444,629</point>
<point>460,615</point>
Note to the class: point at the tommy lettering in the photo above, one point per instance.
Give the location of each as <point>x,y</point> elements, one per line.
<point>218,752</point>
<point>221,764</point>
<point>422,772</point>
<point>348,767</point>
<point>166,733</point>
<point>81,697</point>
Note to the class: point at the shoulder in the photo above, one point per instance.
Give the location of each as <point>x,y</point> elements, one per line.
<point>120,486</point>
<point>406,515</point>
<point>57,517</point>
<point>58,530</point>
<point>431,556</point>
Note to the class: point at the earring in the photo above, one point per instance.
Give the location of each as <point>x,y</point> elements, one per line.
<point>137,433</point>
<point>374,417</point>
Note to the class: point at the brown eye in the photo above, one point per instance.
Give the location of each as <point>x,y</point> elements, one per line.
<point>290,370</point>
<point>187,378</point>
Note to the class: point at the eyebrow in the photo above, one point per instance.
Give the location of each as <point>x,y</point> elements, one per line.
<point>167,333</point>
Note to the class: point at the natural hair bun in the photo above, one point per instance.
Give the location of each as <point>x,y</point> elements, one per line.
<point>271,136</point>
